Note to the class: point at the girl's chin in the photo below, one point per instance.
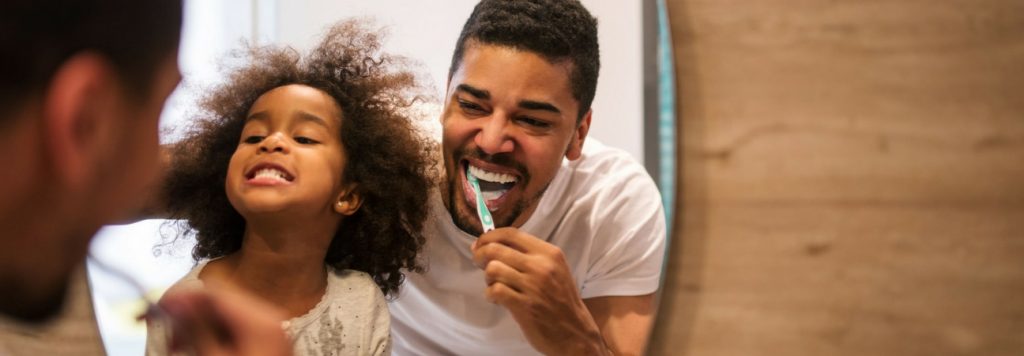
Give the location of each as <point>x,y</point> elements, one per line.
<point>262,209</point>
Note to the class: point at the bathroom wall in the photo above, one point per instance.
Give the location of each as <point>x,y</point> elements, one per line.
<point>851,179</point>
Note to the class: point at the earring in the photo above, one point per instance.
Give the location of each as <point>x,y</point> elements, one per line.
<point>342,205</point>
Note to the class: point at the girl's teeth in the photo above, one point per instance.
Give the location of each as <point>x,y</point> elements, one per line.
<point>270,173</point>
<point>491,176</point>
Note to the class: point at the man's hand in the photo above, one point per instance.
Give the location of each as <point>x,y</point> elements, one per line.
<point>531,279</point>
<point>224,321</point>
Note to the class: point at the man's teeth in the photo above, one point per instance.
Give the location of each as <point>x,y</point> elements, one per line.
<point>270,173</point>
<point>491,176</point>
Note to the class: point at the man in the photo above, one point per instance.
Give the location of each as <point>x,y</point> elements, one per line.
<point>82,85</point>
<point>575,262</point>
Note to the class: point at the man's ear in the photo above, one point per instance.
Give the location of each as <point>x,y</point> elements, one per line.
<point>575,148</point>
<point>348,201</point>
<point>78,123</point>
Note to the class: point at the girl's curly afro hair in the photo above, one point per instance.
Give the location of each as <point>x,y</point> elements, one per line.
<point>388,157</point>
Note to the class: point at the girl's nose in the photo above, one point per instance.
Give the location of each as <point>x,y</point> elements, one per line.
<point>274,143</point>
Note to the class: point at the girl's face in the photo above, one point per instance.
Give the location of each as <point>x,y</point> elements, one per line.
<point>290,157</point>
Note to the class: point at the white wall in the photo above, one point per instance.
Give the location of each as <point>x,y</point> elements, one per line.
<point>427,31</point>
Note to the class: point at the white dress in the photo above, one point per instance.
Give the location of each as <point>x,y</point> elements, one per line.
<point>351,319</point>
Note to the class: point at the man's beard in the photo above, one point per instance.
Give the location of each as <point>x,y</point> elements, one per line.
<point>465,221</point>
<point>31,308</point>
<point>36,292</point>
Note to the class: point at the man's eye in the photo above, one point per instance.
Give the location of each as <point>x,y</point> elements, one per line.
<point>534,122</point>
<point>305,140</point>
<point>471,107</point>
<point>252,139</point>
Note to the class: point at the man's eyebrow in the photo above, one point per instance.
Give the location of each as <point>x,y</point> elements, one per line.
<point>475,92</point>
<point>538,105</point>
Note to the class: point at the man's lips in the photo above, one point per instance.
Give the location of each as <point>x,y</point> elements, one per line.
<point>491,167</point>
<point>493,204</point>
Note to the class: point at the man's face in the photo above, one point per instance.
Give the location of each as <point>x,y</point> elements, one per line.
<point>135,167</point>
<point>126,169</point>
<point>509,117</point>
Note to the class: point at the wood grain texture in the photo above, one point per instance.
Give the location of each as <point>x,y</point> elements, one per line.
<point>852,179</point>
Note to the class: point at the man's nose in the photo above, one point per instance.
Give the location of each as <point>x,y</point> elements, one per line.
<point>275,142</point>
<point>493,137</point>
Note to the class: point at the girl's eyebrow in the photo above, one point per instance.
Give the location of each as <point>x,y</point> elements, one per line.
<point>300,114</point>
<point>262,116</point>
<point>305,116</point>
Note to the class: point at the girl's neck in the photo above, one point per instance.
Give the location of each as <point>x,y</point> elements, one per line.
<point>284,266</point>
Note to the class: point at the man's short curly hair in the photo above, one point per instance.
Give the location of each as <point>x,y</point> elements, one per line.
<point>557,30</point>
<point>388,156</point>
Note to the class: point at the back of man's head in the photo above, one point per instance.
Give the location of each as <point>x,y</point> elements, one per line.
<point>37,36</point>
<point>558,30</point>
<point>82,84</point>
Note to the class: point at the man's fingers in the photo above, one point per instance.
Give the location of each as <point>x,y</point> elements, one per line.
<point>499,272</point>
<point>511,237</point>
<point>194,327</point>
<point>502,294</point>
<point>487,252</point>
<point>224,320</point>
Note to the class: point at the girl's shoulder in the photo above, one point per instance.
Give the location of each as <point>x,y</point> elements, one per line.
<point>354,284</point>
<point>350,278</point>
<point>190,281</point>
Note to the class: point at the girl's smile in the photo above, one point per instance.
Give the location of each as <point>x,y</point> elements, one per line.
<point>268,174</point>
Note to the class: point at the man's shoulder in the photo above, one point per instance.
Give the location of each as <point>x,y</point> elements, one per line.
<point>606,169</point>
<point>605,187</point>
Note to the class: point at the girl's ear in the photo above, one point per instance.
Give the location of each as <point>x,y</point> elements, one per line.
<point>348,201</point>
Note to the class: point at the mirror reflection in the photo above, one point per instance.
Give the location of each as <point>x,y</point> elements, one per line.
<point>357,178</point>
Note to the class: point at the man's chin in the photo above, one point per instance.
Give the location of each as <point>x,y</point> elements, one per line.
<point>28,308</point>
<point>469,224</point>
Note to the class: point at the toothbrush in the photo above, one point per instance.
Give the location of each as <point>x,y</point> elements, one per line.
<point>481,207</point>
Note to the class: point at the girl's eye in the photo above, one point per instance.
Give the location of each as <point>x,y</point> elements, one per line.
<point>305,140</point>
<point>253,139</point>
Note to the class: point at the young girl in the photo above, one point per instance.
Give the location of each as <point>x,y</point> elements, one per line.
<point>305,182</point>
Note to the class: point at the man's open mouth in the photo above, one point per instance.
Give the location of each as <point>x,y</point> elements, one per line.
<point>493,185</point>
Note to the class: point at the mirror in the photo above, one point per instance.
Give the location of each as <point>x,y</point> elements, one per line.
<point>632,110</point>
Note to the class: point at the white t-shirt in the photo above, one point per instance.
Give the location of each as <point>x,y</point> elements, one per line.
<point>351,318</point>
<point>602,210</point>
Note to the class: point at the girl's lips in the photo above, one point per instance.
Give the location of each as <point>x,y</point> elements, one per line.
<point>266,181</point>
<point>251,173</point>
<point>268,174</point>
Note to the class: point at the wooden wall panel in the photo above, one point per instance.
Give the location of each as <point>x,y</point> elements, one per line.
<point>852,179</point>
